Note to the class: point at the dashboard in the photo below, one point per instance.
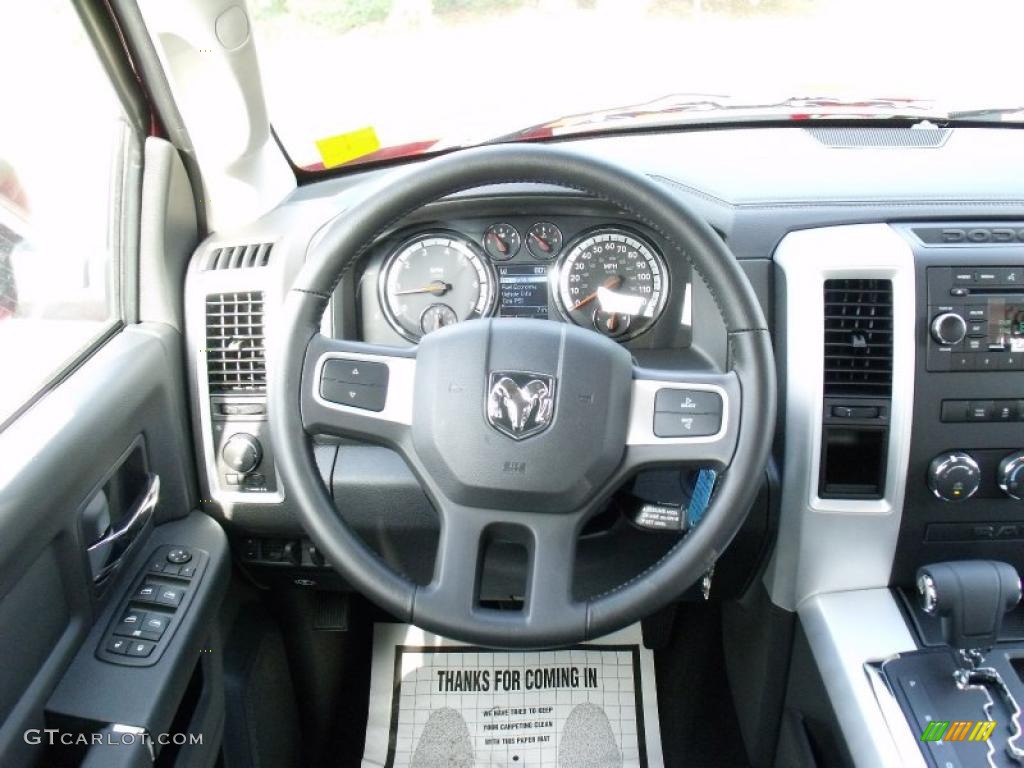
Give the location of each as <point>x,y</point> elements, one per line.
<point>888,274</point>
<point>608,274</point>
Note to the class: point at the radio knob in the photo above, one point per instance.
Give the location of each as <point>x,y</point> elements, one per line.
<point>954,476</point>
<point>242,452</point>
<point>1011,475</point>
<point>949,328</point>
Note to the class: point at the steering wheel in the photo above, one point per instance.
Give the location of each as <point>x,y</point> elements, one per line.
<point>441,406</point>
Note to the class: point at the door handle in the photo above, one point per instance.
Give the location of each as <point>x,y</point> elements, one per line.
<point>105,553</point>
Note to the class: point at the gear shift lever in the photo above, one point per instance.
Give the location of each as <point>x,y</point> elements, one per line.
<point>970,597</point>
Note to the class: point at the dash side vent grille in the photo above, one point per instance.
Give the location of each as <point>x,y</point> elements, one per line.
<point>235,352</point>
<point>858,338</point>
<point>238,256</point>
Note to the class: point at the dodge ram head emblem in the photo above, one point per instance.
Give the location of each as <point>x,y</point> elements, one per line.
<point>520,404</point>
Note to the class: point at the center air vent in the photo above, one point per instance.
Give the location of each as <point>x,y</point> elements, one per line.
<point>858,338</point>
<point>235,359</point>
<point>238,257</point>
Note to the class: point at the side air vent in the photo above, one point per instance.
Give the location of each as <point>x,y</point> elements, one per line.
<point>235,360</point>
<point>238,257</point>
<point>858,338</point>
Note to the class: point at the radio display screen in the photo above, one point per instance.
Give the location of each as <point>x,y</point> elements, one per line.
<point>524,290</point>
<point>1006,324</point>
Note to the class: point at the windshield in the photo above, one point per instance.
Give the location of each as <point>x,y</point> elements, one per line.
<point>358,80</point>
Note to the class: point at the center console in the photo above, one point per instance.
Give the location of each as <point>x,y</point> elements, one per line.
<point>965,477</point>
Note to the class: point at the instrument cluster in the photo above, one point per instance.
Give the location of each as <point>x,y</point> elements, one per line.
<point>607,277</point>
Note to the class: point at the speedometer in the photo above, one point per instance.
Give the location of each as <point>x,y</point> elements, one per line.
<point>613,281</point>
<point>433,280</point>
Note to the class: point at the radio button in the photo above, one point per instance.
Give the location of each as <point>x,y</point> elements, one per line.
<point>962,361</point>
<point>986,361</point>
<point>977,330</point>
<point>978,313</point>
<point>975,345</point>
<point>1010,275</point>
<point>963,276</point>
<point>987,276</point>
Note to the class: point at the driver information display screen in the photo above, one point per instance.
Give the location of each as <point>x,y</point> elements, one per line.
<point>1006,324</point>
<point>524,290</point>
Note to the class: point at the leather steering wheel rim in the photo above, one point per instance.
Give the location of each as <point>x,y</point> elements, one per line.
<point>347,239</point>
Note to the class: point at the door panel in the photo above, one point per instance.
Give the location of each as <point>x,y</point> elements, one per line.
<point>53,460</point>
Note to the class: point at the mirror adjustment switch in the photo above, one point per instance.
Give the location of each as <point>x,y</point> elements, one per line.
<point>187,571</point>
<point>140,648</point>
<point>178,555</point>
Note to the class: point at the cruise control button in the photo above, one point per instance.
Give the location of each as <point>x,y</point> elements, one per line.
<point>370,398</point>
<point>686,425</point>
<point>141,648</point>
<point>356,372</point>
<point>687,401</point>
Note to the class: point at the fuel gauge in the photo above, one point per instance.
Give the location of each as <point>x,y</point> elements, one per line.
<point>437,316</point>
<point>502,241</point>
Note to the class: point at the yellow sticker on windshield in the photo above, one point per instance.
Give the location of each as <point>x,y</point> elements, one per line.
<point>346,147</point>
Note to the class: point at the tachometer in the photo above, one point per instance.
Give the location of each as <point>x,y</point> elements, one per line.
<point>434,280</point>
<point>613,281</point>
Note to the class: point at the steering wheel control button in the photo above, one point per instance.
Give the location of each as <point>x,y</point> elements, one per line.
<point>242,452</point>
<point>356,383</point>
<point>687,413</point>
<point>356,372</point>
<point>178,555</point>
<point>687,401</point>
<point>686,425</point>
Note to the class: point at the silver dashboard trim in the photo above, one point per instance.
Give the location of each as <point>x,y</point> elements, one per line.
<point>815,533</point>
<point>401,378</point>
<point>848,632</point>
<point>201,285</point>
<point>641,413</point>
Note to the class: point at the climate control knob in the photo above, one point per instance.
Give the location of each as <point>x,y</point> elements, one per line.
<point>954,476</point>
<point>949,328</point>
<point>242,452</point>
<point>1010,475</point>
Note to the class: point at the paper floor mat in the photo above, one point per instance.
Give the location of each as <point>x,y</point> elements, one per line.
<point>434,703</point>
